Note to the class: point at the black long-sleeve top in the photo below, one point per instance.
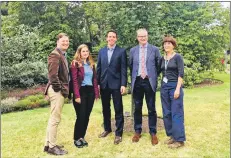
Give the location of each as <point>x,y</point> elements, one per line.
<point>175,68</point>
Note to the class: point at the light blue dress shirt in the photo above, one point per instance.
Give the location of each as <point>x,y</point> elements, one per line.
<point>110,52</point>
<point>88,74</point>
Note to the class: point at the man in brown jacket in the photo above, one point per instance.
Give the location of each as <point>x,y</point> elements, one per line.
<point>56,90</point>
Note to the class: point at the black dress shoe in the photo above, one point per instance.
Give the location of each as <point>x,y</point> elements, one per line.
<point>56,151</point>
<point>104,134</point>
<point>117,140</point>
<point>85,143</point>
<point>78,143</point>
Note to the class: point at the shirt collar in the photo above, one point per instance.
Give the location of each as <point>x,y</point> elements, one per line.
<point>87,63</point>
<point>145,46</point>
<point>111,48</point>
<point>63,53</point>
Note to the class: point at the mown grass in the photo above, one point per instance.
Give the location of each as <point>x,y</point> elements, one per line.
<point>207,123</point>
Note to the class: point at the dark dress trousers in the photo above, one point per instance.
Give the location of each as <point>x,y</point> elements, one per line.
<point>111,76</point>
<point>146,86</point>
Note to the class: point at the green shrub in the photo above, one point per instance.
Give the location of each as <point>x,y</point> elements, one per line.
<point>4,94</point>
<point>43,102</point>
<point>191,77</point>
<point>40,96</point>
<point>33,98</point>
<point>30,102</point>
<point>34,105</point>
<point>24,75</point>
<point>8,104</point>
<point>22,104</point>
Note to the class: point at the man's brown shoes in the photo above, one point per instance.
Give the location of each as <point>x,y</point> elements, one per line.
<point>154,139</point>
<point>136,137</point>
<point>169,141</point>
<point>104,134</point>
<point>117,140</point>
<point>56,151</point>
<point>176,145</point>
<point>47,147</point>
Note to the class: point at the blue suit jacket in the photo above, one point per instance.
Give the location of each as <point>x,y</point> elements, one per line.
<point>152,63</point>
<point>114,73</point>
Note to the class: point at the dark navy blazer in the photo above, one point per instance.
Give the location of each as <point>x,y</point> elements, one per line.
<point>114,73</point>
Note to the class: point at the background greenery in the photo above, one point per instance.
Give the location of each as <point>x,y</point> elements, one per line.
<point>29,30</point>
<point>207,124</point>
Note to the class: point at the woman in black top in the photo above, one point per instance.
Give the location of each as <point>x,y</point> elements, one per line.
<point>172,68</point>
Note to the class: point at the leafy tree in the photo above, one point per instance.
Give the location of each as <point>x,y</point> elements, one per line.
<point>201,29</point>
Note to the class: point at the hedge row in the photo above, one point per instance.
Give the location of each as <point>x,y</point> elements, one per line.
<point>13,104</point>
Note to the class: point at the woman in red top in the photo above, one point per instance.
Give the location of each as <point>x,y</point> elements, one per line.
<point>85,91</point>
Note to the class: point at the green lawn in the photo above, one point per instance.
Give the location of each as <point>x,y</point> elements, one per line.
<point>207,123</point>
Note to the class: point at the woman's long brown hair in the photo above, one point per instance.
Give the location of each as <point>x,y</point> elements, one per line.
<point>78,55</point>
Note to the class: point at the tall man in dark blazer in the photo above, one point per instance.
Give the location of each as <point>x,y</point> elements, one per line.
<point>112,80</point>
<point>56,90</point>
<point>144,59</point>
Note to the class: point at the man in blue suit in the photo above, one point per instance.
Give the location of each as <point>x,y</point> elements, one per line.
<point>112,80</point>
<point>144,59</point>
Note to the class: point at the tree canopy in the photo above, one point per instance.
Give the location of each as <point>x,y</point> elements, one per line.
<point>201,29</point>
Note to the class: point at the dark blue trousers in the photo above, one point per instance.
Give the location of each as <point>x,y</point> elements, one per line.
<point>142,87</point>
<point>118,107</point>
<point>173,111</point>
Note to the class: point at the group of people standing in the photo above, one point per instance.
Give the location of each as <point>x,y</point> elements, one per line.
<point>109,80</point>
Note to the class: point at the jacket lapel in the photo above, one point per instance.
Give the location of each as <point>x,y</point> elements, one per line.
<point>137,54</point>
<point>105,55</point>
<point>149,52</point>
<point>64,60</point>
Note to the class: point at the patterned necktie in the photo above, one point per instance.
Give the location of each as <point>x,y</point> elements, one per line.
<point>143,74</point>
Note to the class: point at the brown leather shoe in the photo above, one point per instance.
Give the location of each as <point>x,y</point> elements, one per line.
<point>56,151</point>
<point>176,145</point>
<point>169,141</point>
<point>47,147</point>
<point>136,137</point>
<point>117,140</point>
<point>154,139</point>
<point>104,134</point>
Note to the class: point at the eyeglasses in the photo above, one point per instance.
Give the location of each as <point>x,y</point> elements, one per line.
<point>142,36</point>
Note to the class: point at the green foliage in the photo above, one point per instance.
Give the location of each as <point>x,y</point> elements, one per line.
<point>30,102</point>
<point>191,76</point>
<point>22,105</point>
<point>201,29</point>
<point>8,104</point>
<point>20,45</point>
<point>43,103</point>
<point>24,74</point>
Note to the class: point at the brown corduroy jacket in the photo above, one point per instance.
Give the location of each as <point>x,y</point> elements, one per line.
<point>58,73</point>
